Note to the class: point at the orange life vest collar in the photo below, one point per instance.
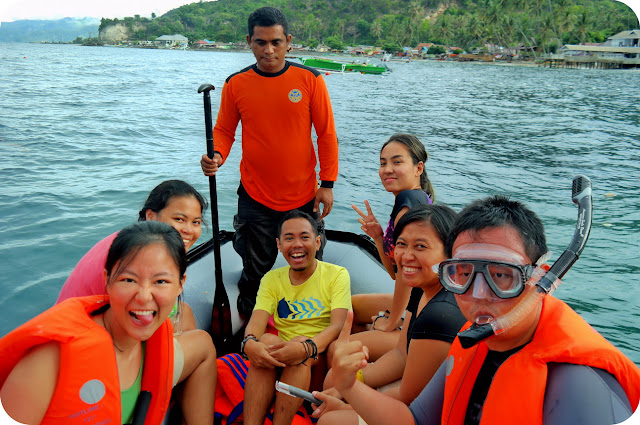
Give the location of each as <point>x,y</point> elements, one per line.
<point>88,388</point>
<point>517,391</point>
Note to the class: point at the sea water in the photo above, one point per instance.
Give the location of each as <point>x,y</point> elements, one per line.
<point>87,132</point>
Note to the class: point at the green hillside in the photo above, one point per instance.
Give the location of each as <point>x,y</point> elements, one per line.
<point>546,24</point>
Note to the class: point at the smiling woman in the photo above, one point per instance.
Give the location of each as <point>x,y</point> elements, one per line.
<point>402,172</point>
<point>126,333</point>
<point>174,202</point>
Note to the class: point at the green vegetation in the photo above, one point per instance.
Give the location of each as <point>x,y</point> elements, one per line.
<point>436,50</point>
<point>334,42</point>
<point>469,24</point>
<point>91,41</point>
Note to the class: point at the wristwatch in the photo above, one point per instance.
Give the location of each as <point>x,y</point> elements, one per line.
<point>244,341</point>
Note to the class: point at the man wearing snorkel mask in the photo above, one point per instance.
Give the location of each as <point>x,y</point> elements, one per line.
<point>546,366</point>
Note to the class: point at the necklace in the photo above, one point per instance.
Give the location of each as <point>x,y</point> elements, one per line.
<point>113,341</point>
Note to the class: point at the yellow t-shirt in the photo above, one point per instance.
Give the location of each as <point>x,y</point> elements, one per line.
<point>304,309</point>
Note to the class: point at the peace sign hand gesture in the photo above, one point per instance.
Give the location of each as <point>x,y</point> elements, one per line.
<point>368,222</point>
<point>349,357</point>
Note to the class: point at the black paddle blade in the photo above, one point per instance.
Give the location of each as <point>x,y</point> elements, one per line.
<point>221,327</point>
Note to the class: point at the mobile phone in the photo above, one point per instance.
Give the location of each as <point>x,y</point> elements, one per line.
<point>297,392</point>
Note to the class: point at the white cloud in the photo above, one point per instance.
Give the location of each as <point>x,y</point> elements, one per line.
<point>11,10</point>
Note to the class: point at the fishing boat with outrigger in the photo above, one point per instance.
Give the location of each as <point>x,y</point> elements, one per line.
<point>344,66</point>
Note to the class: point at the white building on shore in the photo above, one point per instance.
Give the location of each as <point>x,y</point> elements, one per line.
<point>622,50</point>
<point>169,41</point>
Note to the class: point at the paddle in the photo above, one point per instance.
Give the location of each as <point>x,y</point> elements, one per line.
<point>221,330</point>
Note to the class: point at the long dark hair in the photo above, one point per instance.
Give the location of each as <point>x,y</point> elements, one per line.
<point>130,240</point>
<point>440,216</point>
<point>418,153</point>
<point>160,196</point>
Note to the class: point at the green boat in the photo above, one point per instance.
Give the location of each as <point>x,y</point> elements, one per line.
<point>341,66</point>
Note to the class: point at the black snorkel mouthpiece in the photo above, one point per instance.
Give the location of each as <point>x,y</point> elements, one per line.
<point>474,334</point>
<point>581,196</point>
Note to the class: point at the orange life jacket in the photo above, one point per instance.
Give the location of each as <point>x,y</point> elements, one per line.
<point>517,391</point>
<point>88,388</point>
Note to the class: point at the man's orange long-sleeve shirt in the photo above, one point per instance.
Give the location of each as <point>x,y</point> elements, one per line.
<point>277,110</point>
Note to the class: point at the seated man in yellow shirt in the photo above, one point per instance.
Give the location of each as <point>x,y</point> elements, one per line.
<point>309,300</point>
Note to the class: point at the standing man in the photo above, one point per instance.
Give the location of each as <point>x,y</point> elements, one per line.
<point>277,102</point>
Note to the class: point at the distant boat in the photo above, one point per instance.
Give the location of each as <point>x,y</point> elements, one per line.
<point>388,57</point>
<point>343,66</point>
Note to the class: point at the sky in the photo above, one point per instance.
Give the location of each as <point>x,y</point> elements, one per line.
<point>11,10</point>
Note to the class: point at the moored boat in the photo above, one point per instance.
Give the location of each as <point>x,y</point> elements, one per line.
<point>342,66</point>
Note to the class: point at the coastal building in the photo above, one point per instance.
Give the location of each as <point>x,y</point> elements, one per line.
<point>204,44</point>
<point>168,41</point>
<point>423,47</point>
<point>619,51</point>
<point>624,39</point>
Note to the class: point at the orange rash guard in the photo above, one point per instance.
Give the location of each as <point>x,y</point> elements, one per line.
<point>278,166</point>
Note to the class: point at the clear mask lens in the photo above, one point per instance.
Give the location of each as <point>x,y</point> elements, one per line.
<point>506,280</point>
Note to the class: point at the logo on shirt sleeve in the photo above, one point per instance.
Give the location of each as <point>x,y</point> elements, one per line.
<point>295,95</point>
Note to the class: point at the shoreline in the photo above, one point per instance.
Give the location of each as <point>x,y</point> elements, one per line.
<point>537,63</point>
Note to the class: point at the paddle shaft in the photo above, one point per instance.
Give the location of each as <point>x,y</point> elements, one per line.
<point>221,330</point>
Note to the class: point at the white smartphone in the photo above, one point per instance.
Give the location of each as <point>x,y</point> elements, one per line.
<point>297,392</point>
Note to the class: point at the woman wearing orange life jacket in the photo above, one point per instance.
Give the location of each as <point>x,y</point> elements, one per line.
<point>91,360</point>
<point>549,368</point>
<point>174,202</point>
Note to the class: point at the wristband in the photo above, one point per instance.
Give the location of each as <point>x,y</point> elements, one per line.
<point>373,325</point>
<point>360,376</point>
<point>311,350</point>
<point>244,342</point>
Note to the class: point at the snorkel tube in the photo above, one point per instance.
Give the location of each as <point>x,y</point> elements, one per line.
<point>549,282</point>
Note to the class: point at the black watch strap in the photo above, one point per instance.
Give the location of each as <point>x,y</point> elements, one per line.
<point>244,341</point>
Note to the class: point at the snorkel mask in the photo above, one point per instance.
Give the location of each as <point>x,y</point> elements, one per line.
<point>508,278</point>
<point>504,271</point>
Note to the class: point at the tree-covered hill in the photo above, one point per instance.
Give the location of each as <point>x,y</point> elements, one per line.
<point>545,24</point>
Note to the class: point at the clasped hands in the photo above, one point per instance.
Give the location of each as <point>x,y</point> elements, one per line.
<point>281,354</point>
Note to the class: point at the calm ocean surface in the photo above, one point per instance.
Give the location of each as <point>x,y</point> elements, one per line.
<point>87,132</point>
